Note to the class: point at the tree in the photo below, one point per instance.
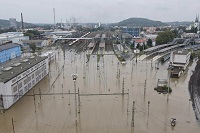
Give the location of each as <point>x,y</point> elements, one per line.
<point>165,37</point>
<point>32,33</point>
<point>149,42</point>
<point>32,47</point>
<point>132,45</point>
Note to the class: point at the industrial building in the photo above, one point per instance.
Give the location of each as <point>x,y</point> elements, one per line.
<point>18,77</point>
<point>14,37</point>
<point>179,60</point>
<point>9,51</point>
<point>134,31</point>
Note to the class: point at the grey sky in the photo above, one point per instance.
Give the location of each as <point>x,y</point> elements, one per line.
<point>105,11</point>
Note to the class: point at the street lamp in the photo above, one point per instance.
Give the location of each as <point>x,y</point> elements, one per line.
<point>168,82</point>
<point>74,77</point>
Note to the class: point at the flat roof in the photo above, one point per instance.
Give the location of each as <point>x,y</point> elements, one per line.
<point>103,35</point>
<point>168,48</point>
<point>90,45</point>
<point>97,36</point>
<point>181,52</point>
<point>8,46</point>
<point>7,75</point>
<point>156,47</point>
<point>102,45</point>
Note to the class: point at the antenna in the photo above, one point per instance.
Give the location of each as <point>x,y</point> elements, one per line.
<point>22,22</point>
<point>54,18</point>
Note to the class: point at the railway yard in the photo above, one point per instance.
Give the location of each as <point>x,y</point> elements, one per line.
<point>106,96</point>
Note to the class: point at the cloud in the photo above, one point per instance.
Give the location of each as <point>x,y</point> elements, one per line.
<point>106,11</point>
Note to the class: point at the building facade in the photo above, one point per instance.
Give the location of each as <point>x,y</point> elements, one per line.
<point>134,31</point>
<point>9,51</point>
<point>180,59</point>
<point>17,79</point>
<point>14,37</point>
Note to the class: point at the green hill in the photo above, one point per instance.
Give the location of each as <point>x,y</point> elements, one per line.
<point>143,22</point>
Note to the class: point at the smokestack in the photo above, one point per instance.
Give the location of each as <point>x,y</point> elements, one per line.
<point>54,18</point>
<point>22,22</point>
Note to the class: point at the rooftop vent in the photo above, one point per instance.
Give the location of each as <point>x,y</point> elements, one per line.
<point>16,64</point>
<point>12,72</point>
<point>32,57</point>
<point>180,52</point>
<point>25,60</point>
<point>7,69</point>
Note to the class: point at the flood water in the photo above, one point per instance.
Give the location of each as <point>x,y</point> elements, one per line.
<point>103,108</point>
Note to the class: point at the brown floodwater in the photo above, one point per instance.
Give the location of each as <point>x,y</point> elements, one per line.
<point>103,109</point>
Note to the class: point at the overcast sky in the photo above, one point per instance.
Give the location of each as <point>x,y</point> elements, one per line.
<point>104,11</point>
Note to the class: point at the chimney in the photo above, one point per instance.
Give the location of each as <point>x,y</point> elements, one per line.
<point>22,22</point>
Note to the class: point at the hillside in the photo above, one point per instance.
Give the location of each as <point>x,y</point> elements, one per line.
<point>143,22</point>
<point>6,24</point>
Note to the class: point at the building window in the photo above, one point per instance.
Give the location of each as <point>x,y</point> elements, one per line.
<point>25,81</point>
<point>20,85</point>
<point>33,82</point>
<point>33,76</point>
<point>29,85</point>
<point>13,80</point>
<point>21,93</point>
<point>19,77</point>
<point>15,97</point>
<point>25,88</point>
<point>15,89</point>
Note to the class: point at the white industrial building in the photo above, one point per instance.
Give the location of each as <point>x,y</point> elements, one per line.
<point>14,37</point>
<point>179,60</point>
<point>19,77</point>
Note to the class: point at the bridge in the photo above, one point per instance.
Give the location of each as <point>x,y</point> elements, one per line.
<point>76,39</point>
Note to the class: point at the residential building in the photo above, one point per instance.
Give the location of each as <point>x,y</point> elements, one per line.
<point>141,42</point>
<point>9,51</point>
<point>134,31</point>
<point>18,77</point>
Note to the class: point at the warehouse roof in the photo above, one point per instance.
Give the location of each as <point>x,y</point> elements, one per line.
<point>8,46</point>
<point>19,67</point>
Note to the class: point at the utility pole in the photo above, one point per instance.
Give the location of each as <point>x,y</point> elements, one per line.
<point>123,87</point>
<point>62,91</point>
<point>145,87</point>
<point>13,125</point>
<point>148,106</point>
<point>69,97</point>
<point>128,101</point>
<point>133,113</point>
<point>79,101</point>
<point>75,76</point>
